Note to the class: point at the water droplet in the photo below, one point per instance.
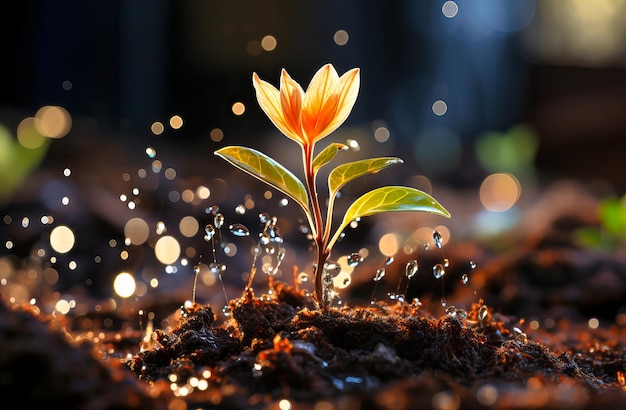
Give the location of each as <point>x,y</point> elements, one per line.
<point>426,247</point>
<point>265,238</point>
<point>209,232</point>
<point>392,296</point>
<point>264,217</point>
<point>303,277</point>
<point>239,230</point>
<point>443,302</point>
<point>240,209</point>
<point>281,255</point>
<point>464,278</point>
<point>451,311</point>
<point>446,262</point>
<point>218,221</point>
<point>439,271</point>
<point>482,312</point>
<point>354,259</point>
<point>226,311</point>
<point>411,268</point>
<point>196,269</point>
<point>472,265</point>
<point>416,302</point>
<point>332,269</point>
<point>437,239</point>
<point>389,260</point>
<point>380,273</point>
<point>151,152</point>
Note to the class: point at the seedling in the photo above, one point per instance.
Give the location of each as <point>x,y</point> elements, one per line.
<point>306,118</point>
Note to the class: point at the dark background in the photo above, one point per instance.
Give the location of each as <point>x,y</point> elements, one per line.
<point>135,62</point>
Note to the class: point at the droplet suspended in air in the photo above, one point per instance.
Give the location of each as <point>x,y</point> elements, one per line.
<point>411,268</point>
<point>333,269</point>
<point>380,273</point>
<point>389,260</point>
<point>209,231</point>
<point>354,259</point>
<point>239,230</point>
<point>240,209</point>
<point>437,239</point>
<point>218,221</point>
<point>150,152</point>
<point>446,262</point>
<point>472,265</point>
<point>464,278</point>
<point>439,271</point>
<point>264,217</point>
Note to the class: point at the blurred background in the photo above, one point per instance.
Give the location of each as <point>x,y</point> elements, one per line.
<point>110,112</point>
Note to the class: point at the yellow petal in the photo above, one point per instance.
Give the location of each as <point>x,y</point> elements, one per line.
<point>291,95</point>
<point>269,101</point>
<point>349,84</point>
<point>321,101</point>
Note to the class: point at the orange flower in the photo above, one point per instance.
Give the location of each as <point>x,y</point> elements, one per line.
<point>307,117</point>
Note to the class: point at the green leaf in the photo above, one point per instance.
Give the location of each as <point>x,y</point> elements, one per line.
<point>327,155</point>
<point>345,173</point>
<point>267,170</point>
<point>389,199</point>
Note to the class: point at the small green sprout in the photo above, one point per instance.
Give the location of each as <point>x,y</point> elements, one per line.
<point>307,117</point>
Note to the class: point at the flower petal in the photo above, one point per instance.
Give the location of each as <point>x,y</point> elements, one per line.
<point>321,101</point>
<point>291,95</point>
<point>349,84</point>
<point>268,98</point>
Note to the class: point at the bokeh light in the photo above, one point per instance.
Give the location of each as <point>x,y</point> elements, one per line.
<point>124,285</point>
<point>137,231</point>
<point>53,121</point>
<point>499,192</point>
<point>62,239</point>
<point>167,250</point>
<point>341,37</point>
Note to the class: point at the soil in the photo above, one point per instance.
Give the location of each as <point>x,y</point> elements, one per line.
<point>277,351</point>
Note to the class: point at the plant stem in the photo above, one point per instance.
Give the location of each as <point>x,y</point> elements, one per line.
<point>322,253</point>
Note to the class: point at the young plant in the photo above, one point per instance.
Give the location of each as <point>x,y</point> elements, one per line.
<point>307,117</point>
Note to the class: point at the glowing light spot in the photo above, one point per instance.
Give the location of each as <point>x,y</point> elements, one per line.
<point>341,37</point>
<point>27,134</point>
<point>449,9</point>
<point>124,285</point>
<point>170,173</point>
<point>381,134</point>
<point>216,135</point>
<point>150,152</point>
<point>62,306</point>
<point>188,226</point>
<point>167,250</point>
<point>593,323</point>
<point>157,128</point>
<point>389,244</point>
<point>203,192</point>
<point>53,121</point>
<point>446,400</point>
<point>499,192</point>
<point>487,395</point>
<point>353,144</point>
<point>238,108</point>
<point>188,195</point>
<point>67,172</point>
<point>284,404</point>
<point>440,107</point>
<point>66,85</point>
<point>62,239</point>
<point>65,200</point>
<point>176,122</point>
<point>254,48</point>
<point>72,265</point>
<point>137,231</point>
<point>269,43</point>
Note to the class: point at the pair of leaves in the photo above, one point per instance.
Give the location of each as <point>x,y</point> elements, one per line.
<point>385,199</point>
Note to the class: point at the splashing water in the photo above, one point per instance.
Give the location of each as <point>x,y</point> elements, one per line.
<point>239,230</point>
<point>354,259</point>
